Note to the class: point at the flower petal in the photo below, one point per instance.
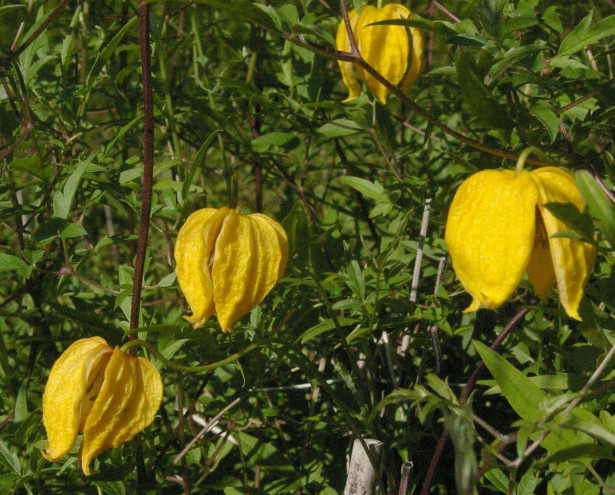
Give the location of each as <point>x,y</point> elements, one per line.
<point>490,234</point>
<point>127,403</point>
<point>540,268</point>
<point>67,386</point>
<point>193,252</point>
<point>385,48</point>
<point>249,260</point>
<point>572,259</point>
<point>343,44</point>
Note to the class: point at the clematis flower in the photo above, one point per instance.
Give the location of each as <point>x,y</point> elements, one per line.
<point>227,263</point>
<point>385,47</point>
<point>103,392</point>
<point>498,228</point>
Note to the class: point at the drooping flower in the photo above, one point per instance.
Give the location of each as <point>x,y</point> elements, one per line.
<point>498,228</point>
<point>227,263</point>
<point>385,47</point>
<point>103,392</point>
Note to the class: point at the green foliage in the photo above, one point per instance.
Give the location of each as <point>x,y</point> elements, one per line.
<point>365,336</point>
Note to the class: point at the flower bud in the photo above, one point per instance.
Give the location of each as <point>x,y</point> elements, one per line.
<point>103,392</point>
<point>227,263</point>
<point>385,47</point>
<point>498,228</point>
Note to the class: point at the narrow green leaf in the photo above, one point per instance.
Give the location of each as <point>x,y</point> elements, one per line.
<point>10,460</point>
<point>275,139</point>
<point>63,199</point>
<point>600,206</point>
<point>242,8</point>
<point>21,404</point>
<point>547,117</point>
<point>512,56</point>
<point>582,35</point>
<point>106,53</point>
<point>198,162</point>
<point>111,487</point>
<point>437,27</point>
<point>521,393</point>
<point>339,128</point>
<point>372,190</point>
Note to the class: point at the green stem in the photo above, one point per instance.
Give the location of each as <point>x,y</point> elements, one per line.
<point>190,369</point>
<point>523,157</point>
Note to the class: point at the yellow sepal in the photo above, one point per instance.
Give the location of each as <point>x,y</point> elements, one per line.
<point>490,234</point>
<point>75,371</point>
<point>572,259</point>
<point>127,403</point>
<point>343,44</point>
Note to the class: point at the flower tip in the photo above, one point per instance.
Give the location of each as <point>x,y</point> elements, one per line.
<point>474,306</point>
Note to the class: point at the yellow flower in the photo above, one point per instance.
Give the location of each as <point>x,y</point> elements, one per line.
<point>102,392</point>
<point>385,47</point>
<point>227,263</point>
<point>498,228</point>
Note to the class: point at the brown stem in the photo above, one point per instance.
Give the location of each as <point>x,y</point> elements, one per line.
<point>148,164</point>
<point>594,92</point>
<point>446,12</point>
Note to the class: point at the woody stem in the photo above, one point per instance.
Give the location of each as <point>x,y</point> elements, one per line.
<point>148,164</point>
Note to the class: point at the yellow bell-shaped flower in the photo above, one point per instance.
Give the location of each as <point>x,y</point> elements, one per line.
<point>385,47</point>
<point>103,392</point>
<point>498,228</point>
<point>227,263</point>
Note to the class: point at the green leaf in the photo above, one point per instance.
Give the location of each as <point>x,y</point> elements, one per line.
<point>512,56</point>
<point>339,128</point>
<point>8,262</point>
<point>198,162</point>
<point>437,27</point>
<point>275,139</point>
<point>9,459</point>
<point>21,403</point>
<point>73,230</point>
<point>589,424</point>
<point>480,102</point>
<point>325,326</point>
<point>461,429</point>
<point>548,118</point>
<point>582,35</point>
<point>521,393</point>
<point>111,487</point>
<point>600,206</point>
<point>63,199</point>
<point>581,222</point>
<point>372,190</point>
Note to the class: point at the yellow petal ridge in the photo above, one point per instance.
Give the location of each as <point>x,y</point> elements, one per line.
<point>572,259</point>
<point>251,254</point>
<point>67,387</point>
<point>126,404</point>
<point>193,252</point>
<point>490,234</point>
